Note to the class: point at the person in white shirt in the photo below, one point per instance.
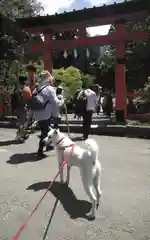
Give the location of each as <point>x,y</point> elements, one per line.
<point>88,109</point>
<point>59,93</point>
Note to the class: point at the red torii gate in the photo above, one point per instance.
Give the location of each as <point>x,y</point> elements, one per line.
<point>117,14</point>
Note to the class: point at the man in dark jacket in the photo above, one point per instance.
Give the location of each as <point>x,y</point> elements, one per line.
<point>108,104</point>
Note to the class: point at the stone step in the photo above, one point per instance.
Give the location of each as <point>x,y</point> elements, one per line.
<point>63,123</point>
<point>101,129</point>
<point>111,130</point>
<point>95,129</point>
<point>78,122</point>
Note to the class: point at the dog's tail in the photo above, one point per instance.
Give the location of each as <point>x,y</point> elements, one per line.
<point>92,147</point>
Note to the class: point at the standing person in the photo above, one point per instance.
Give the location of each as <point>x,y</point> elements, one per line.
<point>76,105</point>
<point>59,93</point>
<point>14,99</point>
<point>32,82</point>
<point>98,94</point>
<point>51,107</point>
<point>89,102</point>
<point>108,104</point>
<point>32,78</point>
<point>20,108</point>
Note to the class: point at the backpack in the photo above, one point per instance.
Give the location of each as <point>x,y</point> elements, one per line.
<point>81,103</point>
<point>37,102</point>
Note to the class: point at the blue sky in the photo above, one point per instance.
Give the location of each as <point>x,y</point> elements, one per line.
<point>53,6</point>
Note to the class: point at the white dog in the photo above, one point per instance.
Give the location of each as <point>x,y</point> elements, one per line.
<point>86,159</point>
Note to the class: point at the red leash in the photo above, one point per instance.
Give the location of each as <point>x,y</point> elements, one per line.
<point>22,227</point>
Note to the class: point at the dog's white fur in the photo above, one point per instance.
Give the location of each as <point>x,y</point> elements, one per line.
<point>86,159</point>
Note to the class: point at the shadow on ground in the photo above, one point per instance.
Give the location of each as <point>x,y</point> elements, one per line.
<point>24,157</point>
<point>74,207</point>
<point>9,142</point>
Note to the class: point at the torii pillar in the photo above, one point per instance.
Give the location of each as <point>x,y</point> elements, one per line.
<point>120,78</point>
<point>47,51</point>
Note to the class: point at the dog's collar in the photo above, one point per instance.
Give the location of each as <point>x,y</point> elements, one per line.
<point>63,148</point>
<point>60,140</point>
<point>70,145</point>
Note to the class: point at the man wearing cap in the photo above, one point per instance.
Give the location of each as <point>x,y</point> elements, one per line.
<point>31,76</point>
<point>51,109</point>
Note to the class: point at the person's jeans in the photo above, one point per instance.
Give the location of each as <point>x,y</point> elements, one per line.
<point>57,121</point>
<point>87,120</point>
<point>30,117</point>
<point>44,128</point>
<point>22,121</point>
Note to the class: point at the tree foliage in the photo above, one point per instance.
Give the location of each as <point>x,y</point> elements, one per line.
<point>71,80</point>
<point>12,38</point>
<point>142,103</point>
<point>20,8</point>
<point>137,55</point>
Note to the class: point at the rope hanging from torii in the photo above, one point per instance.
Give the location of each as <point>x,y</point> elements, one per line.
<point>75,53</point>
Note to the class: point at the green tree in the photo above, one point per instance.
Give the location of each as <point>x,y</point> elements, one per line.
<point>12,38</point>
<point>20,8</point>
<point>137,56</point>
<point>88,79</point>
<point>143,102</point>
<point>71,80</point>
